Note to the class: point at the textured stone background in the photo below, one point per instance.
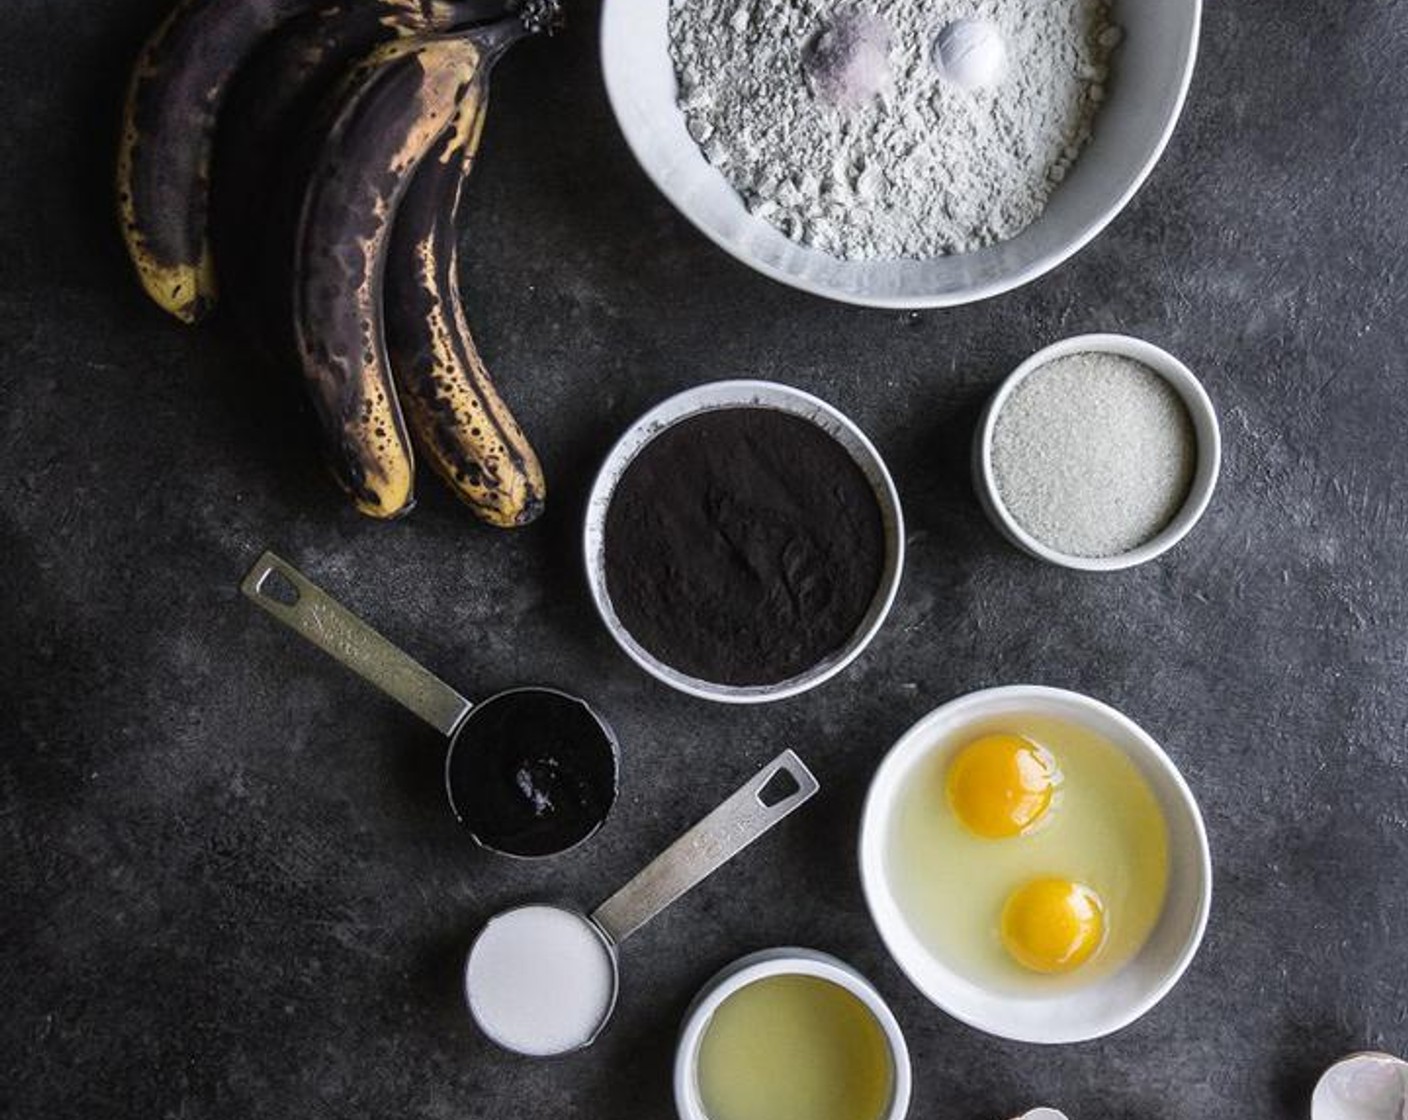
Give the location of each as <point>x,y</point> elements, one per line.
<point>230,887</point>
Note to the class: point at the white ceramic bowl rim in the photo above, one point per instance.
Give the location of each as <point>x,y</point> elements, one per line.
<point>745,393</point>
<point>788,961</point>
<point>1076,1014</point>
<point>1201,414</point>
<point>633,39</point>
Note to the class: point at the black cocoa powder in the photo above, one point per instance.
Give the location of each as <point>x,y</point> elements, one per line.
<point>743,546</point>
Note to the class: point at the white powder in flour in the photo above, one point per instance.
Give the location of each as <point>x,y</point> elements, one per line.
<point>923,169</point>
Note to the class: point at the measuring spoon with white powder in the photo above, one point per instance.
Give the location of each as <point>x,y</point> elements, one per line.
<point>542,979</point>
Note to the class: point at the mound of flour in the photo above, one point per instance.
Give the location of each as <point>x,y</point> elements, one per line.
<point>923,169</point>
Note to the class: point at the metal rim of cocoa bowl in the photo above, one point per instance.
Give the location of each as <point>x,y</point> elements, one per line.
<point>731,394</point>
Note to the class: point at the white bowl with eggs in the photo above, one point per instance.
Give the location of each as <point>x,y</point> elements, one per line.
<point>1095,999</point>
<point>1148,85</point>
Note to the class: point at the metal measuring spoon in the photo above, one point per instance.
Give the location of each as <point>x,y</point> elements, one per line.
<point>542,979</point>
<point>529,772</point>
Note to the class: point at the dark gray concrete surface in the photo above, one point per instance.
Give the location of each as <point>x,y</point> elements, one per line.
<point>229,886</point>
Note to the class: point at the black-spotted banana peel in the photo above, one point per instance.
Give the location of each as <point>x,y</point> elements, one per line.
<point>460,424</point>
<point>396,105</point>
<point>296,69</point>
<point>173,101</point>
<point>269,133</point>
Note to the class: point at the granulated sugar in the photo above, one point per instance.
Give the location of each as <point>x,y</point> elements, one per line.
<point>1093,454</point>
<point>540,980</point>
<point>982,107</point>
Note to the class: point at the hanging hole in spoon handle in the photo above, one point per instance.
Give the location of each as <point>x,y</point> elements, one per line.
<point>279,588</point>
<point>707,846</point>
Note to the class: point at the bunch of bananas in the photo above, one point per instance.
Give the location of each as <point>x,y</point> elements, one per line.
<point>376,317</point>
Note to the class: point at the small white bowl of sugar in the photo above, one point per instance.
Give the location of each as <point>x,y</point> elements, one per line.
<point>1097,453</point>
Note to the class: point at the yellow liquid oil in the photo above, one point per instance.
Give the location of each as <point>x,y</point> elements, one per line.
<point>1103,829</point>
<point>794,1048</point>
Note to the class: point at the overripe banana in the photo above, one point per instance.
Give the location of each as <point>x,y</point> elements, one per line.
<point>269,133</point>
<point>396,105</point>
<point>458,420</point>
<point>177,89</point>
<point>295,70</point>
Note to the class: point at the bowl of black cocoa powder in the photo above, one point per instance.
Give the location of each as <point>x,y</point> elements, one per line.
<point>744,541</point>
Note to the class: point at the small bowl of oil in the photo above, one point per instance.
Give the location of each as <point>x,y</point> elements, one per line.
<point>791,1032</point>
<point>1036,864</point>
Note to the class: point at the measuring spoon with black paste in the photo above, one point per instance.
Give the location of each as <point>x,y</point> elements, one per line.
<point>541,979</point>
<point>529,772</point>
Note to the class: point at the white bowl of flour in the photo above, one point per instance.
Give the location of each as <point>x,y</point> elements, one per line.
<point>931,193</point>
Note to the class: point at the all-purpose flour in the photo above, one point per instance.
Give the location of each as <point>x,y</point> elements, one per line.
<point>924,168</point>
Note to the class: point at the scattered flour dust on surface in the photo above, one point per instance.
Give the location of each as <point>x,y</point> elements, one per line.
<point>925,167</point>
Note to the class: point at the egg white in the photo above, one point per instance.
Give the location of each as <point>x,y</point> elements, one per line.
<point>1104,829</point>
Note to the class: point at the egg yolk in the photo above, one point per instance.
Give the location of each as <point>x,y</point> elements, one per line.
<point>1001,785</point>
<point>1053,925</point>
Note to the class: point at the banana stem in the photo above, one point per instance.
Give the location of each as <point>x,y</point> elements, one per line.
<point>518,21</point>
<point>532,17</point>
<point>541,15</point>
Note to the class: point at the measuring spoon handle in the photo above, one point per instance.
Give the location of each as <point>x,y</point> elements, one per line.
<point>705,848</point>
<point>278,587</point>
